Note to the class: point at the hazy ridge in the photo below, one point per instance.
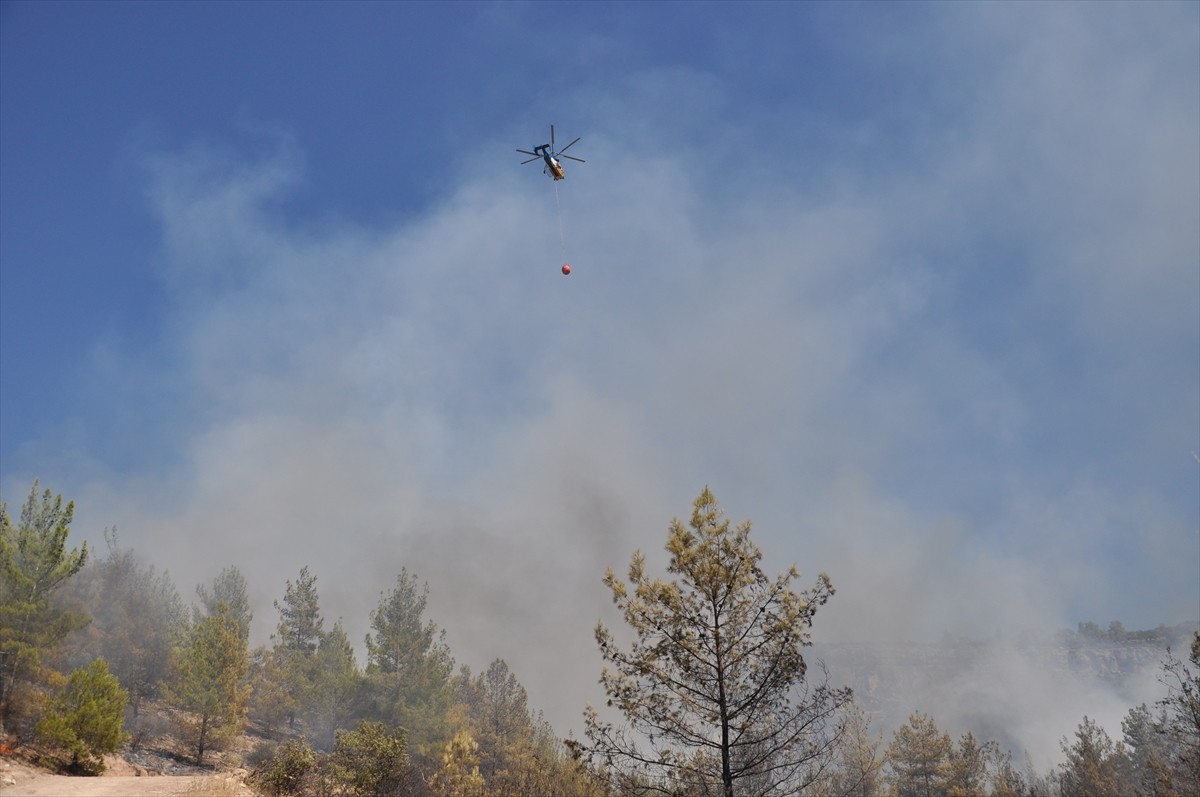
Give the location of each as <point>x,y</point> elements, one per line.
<point>1026,693</point>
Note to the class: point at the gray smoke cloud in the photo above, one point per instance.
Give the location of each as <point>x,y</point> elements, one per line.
<point>963,383</point>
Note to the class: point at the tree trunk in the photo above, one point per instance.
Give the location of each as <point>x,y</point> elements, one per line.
<point>203,738</point>
<point>726,770</point>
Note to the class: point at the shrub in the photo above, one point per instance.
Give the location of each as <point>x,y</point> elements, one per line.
<point>369,762</point>
<point>261,754</point>
<point>288,771</point>
<point>86,719</point>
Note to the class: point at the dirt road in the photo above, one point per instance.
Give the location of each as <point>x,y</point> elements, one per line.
<point>18,780</point>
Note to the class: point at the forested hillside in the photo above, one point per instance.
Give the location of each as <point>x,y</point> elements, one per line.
<point>101,652</point>
<point>405,720</point>
<point>1019,691</point>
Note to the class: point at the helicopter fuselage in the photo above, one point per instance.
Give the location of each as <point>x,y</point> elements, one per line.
<point>551,157</point>
<point>553,167</point>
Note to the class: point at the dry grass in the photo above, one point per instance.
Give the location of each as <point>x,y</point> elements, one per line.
<point>218,786</point>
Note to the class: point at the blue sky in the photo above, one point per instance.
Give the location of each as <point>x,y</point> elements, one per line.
<point>914,287</point>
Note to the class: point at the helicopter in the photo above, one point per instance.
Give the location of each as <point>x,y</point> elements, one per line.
<point>550,156</point>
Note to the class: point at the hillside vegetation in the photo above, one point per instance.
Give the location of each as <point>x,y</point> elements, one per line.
<point>101,654</point>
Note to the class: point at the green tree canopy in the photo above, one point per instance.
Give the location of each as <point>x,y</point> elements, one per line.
<point>402,640</point>
<point>300,622</point>
<point>409,667</point>
<point>86,719</point>
<point>1149,751</point>
<point>211,683</point>
<point>229,588</point>
<point>919,758</point>
<point>1095,765</point>
<point>970,766</point>
<point>289,771</point>
<point>518,752</point>
<point>34,562</point>
<point>138,620</point>
<point>715,685</point>
<point>498,713</point>
<point>334,681</point>
<point>296,641</point>
<point>370,762</point>
<point>458,776</point>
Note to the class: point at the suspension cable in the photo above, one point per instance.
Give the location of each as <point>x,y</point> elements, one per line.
<point>562,241</point>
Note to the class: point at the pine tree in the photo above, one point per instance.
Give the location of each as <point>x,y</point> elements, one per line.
<point>919,758</point>
<point>34,563</point>
<point>334,682</point>
<point>229,588</point>
<point>1094,765</point>
<point>1181,725</point>
<point>499,716</point>
<point>519,753</point>
<point>269,702</point>
<point>211,683</point>
<point>138,621</point>
<point>409,667</point>
<point>857,770</point>
<point>297,638</point>
<point>300,622</point>
<point>1007,781</point>
<point>458,775</point>
<point>86,719</point>
<point>1149,752</point>
<point>968,770</point>
<point>715,685</point>
<point>402,640</point>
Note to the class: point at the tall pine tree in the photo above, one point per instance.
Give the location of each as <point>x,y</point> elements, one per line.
<point>211,684</point>
<point>919,758</point>
<point>715,684</point>
<point>297,638</point>
<point>409,667</point>
<point>34,562</point>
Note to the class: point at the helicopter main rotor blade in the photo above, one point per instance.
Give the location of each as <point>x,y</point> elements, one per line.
<point>568,146</point>
<point>531,160</point>
<point>551,138</point>
<point>571,157</point>
<point>527,152</point>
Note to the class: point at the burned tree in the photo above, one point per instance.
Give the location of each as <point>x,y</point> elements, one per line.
<point>714,688</point>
